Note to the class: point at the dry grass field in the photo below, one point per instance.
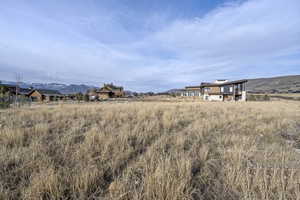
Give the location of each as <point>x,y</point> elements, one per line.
<point>287,94</point>
<point>151,150</point>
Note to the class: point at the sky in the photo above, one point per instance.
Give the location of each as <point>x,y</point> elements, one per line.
<point>148,45</point>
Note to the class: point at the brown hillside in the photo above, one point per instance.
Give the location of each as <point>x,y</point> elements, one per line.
<point>282,84</point>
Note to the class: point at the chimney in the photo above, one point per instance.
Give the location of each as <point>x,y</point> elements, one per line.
<point>220,81</point>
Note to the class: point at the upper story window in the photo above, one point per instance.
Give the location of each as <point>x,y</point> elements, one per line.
<point>206,89</point>
<point>222,89</point>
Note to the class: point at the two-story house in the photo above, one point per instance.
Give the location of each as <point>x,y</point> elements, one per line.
<point>223,90</point>
<point>220,90</point>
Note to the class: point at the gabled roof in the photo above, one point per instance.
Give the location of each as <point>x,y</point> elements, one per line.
<point>47,92</point>
<point>222,84</point>
<point>112,87</point>
<point>24,91</point>
<point>104,90</point>
<point>109,88</point>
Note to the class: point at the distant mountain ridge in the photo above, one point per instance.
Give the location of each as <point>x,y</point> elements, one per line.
<point>63,88</point>
<point>281,84</point>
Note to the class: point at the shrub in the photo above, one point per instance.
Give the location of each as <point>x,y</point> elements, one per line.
<point>258,97</point>
<point>86,98</point>
<point>4,105</point>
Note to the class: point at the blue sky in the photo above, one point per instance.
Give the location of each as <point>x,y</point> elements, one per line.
<point>148,45</point>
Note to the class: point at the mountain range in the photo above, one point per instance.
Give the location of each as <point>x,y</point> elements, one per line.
<point>63,88</point>
<point>281,84</point>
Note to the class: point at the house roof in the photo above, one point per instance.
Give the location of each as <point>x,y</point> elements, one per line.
<point>222,84</point>
<point>47,92</point>
<point>193,87</point>
<point>104,90</point>
<point>112,86</point>
<point>108,88</point>
<point>24,91</point>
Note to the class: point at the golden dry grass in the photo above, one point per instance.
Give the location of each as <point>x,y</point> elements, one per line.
<point>147,150</point>
<point>286,94</point>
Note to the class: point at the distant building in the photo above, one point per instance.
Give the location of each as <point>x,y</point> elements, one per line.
<point>224,90</point>
<point>191,91</point>
<point>13,90</point>
<point>45,95</point>
<point>10,88</point>
<point>106,92</point>
<point>24,91</point>
<point>93,95</point>
<point>220,90</point>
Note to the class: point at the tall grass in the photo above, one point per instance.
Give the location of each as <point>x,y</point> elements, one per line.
<point>143,150</point>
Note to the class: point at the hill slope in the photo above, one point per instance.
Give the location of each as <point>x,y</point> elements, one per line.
<point>281,84</point>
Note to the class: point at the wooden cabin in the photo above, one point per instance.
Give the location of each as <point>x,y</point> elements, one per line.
<point>45,95</point>
<point>108,91</point>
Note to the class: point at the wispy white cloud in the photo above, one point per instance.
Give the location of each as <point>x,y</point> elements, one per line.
<point>233,38</point>
<point>236,40</point>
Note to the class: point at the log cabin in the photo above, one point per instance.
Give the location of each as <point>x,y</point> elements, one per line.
<point>110,91</point>
<point>45,95</point>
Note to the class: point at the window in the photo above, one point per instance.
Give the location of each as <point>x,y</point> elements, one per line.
<point>34,98</point>
<point>230,89</point>
<point>222,89</point>
<point>206,89</point>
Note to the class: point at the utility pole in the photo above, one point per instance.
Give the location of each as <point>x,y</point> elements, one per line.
<point>18,81</point>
